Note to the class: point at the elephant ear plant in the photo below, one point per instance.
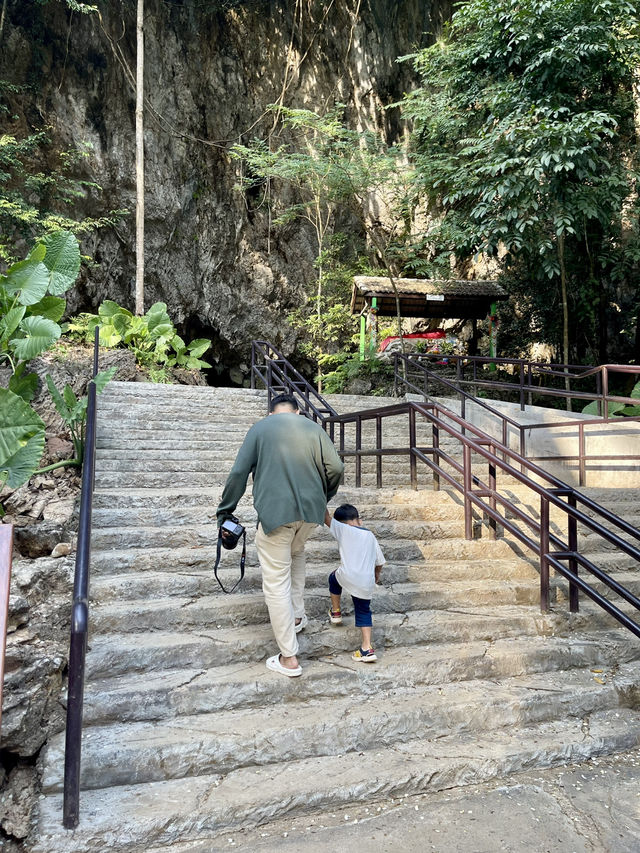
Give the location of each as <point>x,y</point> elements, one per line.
<point>73,411</point>
<point>31,305</point>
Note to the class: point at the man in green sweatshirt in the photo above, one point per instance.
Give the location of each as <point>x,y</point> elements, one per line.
<point>296,470</point>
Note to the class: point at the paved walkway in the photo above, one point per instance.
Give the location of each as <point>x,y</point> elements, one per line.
<point>588,808</point>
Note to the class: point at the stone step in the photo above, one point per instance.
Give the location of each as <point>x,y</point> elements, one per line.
<point>170,607</point>
<point>117,561</point>
<point>193,581</point>
<point>184,495</point>
<point>204,512</point>
<point>400,533</point>
<point>196,690</point>
<point>155,651</point>
<point>202,610</point>
<point>153,752</point>
<point>197,808</point>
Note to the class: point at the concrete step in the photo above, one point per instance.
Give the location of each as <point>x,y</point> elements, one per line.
<point>107,588</point>
<point>180,536</point>
<point>196,808</point>
<point>183,691</point>
<point>167,749</point>
<point>117,561</point>
<point>209,646</point>
<point>204,512</point>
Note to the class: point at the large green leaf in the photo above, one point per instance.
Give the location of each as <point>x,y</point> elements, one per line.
<point>17,469</point>
<point>18,423</point>
<point>636,391</point>
<point>39,335</point>
<point>59,401</point>
<point>108,336</point>
<point>10,322</point>
<point>62,260</point>
<point>198,347</point>
<point>24,384</point>
<point>109,308</point>
<point>103,377</point>
<point>629,412</point>
<point>29,279</point>
<point>51,307</point>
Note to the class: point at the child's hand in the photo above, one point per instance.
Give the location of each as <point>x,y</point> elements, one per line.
<point>378,573</point>
<point>327,518</point>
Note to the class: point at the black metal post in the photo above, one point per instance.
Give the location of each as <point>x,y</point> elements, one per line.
<point>572,535</point>
<point>544,554</point>
<point>413,469</point>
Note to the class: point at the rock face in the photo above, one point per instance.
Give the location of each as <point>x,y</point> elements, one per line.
<point>209,74</point>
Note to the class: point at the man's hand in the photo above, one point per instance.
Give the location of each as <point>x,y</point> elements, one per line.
<point>327,518</point>
<point>378,572</point>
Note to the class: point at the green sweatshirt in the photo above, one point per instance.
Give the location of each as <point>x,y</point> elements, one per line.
<point>295,468</point>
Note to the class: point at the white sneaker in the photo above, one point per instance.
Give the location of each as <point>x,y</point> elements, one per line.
<point>302,623</point>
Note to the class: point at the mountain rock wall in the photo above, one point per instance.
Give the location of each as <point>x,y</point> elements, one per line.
<point>209,73</point>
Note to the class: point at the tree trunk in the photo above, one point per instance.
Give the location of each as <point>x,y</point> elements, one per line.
<point>2,16</point>
<point>565,315</point>
<point>140,160</point>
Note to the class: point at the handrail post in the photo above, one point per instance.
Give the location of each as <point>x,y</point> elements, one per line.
<point>358,456</point>
<point>468,517</point>
<point>413,469</point>
<point>253,365</point>
<point>379,455</point>
<point>79,627</point>
<point>599,392</point>
<point>6,551</point>
<point>572,536</point>
<point>605,391</point>
<point>582,456</point>
<point>395,374</point>
<point>522,386</point>
<point>544,553</point>
<point>529,383</point>
<point>436,457</point>
<point>269,383</point>
<point>493,525</point>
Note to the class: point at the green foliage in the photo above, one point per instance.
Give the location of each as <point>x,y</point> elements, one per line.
<point>73,411</point>
<point>334,174</point>
<point>21,439</point>
<point>153,337</point>
<point>524,143</point>
<point>619,410</point>
<point>31,304</point>
<point>348,367</point>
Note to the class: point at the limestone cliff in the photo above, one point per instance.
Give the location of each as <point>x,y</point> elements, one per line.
<point>209,73</point>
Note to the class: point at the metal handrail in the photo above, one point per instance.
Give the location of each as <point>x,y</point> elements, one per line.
<point>6,550</point>
<point>486,496</point>
<point>526,370</point>
<point>80,616</point>
<point>402,377</point>
<point>289,379</point>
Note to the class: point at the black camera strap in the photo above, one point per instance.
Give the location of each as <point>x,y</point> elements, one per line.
<point>242,560</point>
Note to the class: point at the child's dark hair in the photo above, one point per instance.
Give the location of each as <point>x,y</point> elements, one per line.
<point>346,512</point>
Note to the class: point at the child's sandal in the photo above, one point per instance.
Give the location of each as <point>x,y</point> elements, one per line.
<point>336,617</point>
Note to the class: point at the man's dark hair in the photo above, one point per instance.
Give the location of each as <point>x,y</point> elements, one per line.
<point>284,400</point>
<point>346,512</point>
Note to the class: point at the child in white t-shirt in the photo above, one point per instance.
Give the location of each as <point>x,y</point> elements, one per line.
<point>359,571</point>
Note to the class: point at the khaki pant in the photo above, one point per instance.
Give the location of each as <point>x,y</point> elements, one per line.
<point>281,556</point>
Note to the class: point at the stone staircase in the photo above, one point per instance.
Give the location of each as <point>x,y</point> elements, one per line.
<point>187,734</point>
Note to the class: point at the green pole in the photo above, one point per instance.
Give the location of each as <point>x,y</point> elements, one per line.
<point>373,336</point>
<point>492,335</point>
<point>363,324</point>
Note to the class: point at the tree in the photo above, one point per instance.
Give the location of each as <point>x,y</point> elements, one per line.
<point>140,159</point>
<point>524,140</point>
<point>335,171</point>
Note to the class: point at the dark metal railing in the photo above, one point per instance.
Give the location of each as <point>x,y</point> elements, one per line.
<point>414,375</point>
<point>486,496</point>
<point>280,377</point>
<point>6,550</point>
<point>80,616</point>
<point>523,373</point>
